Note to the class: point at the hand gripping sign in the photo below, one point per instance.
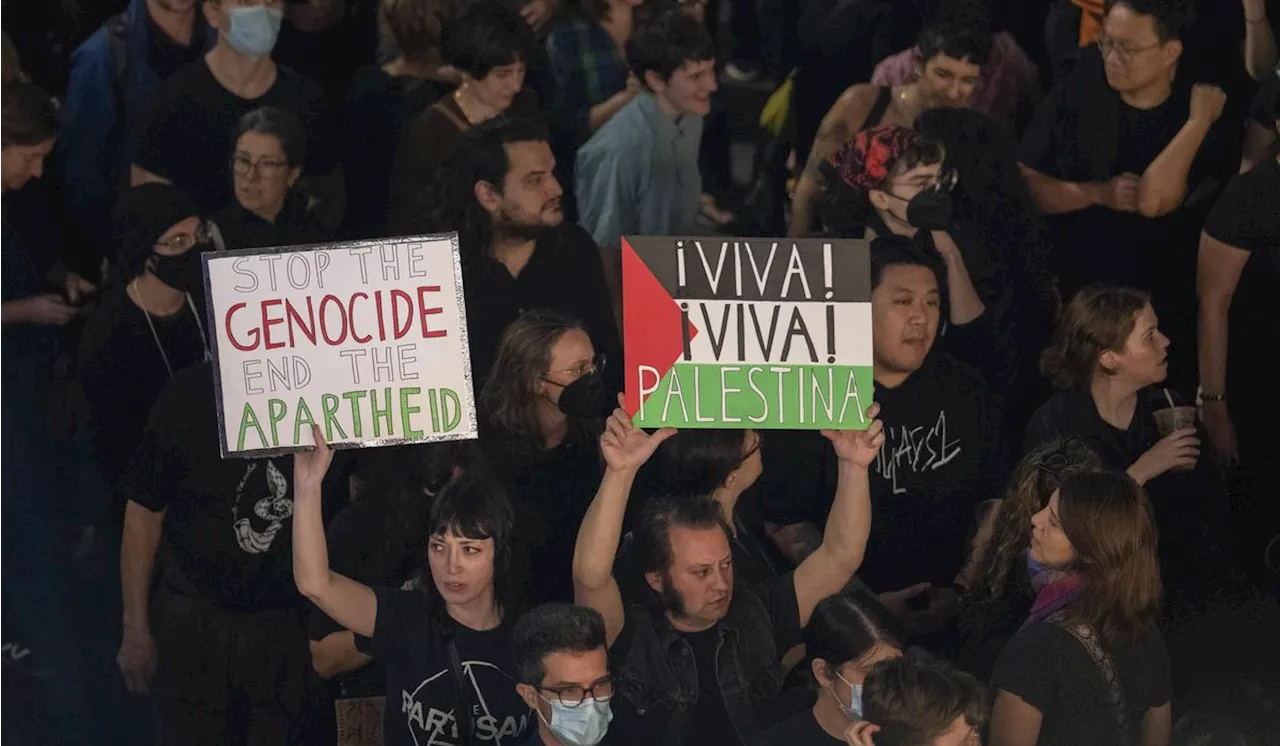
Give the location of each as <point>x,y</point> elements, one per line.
<point>762,333</point>
<point>366,339</point>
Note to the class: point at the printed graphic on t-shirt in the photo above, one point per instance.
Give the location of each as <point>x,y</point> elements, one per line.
<point>431,726</point>
<point>915,450</point>
<point>257,528</point>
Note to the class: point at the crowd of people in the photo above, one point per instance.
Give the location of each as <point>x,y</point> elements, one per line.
<point>1073,213</point>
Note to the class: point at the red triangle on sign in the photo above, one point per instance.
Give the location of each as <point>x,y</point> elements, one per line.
<point>651,324</point>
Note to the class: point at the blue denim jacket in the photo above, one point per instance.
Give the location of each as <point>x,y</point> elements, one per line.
<point>99,113</point>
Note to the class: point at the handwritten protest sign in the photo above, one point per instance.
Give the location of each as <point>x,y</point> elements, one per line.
<point>366,339</point>
<point>747,332</point>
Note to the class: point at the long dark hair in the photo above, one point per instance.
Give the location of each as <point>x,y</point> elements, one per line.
<point>847,626</point>
<point>449,203</point>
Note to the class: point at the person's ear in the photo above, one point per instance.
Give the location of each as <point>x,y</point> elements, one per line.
<point>210,9</point>
<point>1171,50</point>
<point>294,174</point>
<point>654,82</point>
<point>654,579</point>
<point>1109,361</point>
<point>819,667</point>
<point>879,199</point>
<point>488,197</point>
<point>528,694</point>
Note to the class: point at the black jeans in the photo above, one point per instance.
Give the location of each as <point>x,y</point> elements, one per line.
<point>226,677</point>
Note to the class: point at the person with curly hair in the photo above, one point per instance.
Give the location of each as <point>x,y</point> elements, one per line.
<point>1001,592</point>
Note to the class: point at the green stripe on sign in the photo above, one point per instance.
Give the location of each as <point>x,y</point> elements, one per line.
<point>765,396</point>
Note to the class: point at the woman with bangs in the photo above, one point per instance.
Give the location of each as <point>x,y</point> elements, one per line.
<point>1089,664</point>
<point>444,638</point>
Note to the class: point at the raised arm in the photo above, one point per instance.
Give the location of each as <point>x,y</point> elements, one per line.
<point>1260,55</point>
<point>962,296</point>
<point>844,542</point>
<point>1164,183</point>
<point>347,602</point>
<point>625,448</point>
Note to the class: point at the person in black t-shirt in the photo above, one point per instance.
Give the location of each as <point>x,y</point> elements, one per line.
<point>562,666</point>
<point>848,635</point>
<point>221,644</point>
<point>1123,158</point>
<point>269,148</point>
<point>498,192</point>
<point>444,640</point>
<point>944,454</point>
<point>540,421</point>
<point>698,660</point>
<point>1089,664</point>
<point>1260,129</point>
<point>147,329</point>
<point>187,132</point>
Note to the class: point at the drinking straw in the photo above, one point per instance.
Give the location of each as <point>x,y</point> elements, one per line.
<point>1169,398</point>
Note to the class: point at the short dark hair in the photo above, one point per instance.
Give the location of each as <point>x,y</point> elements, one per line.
<point>1098,318</point>
<point>1173,18</point>
<point>279,124</point>
<point>417,26</point>
<point>651,534</point>
<point>696,463</point>
<point>29,116</point>
<point>486,35</point>
<point>476,506</point>
<point>666,43</point>
<point>900,251</point>
<point>961,31</point>
<point>846,626</point>
<point>448,203</point>
<point>914,699</point>
<point>554,628</point>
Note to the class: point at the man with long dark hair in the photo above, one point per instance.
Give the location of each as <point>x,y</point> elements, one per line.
<point>498,192</point>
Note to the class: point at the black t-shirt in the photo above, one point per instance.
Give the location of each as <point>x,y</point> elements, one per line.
<point>1265,106</point>
<point>185,136</point>
<point>123,367</point>
<point>166,56</point>
<point>377,109</point>
<point>1046,667</point>
<point>564,274</point>
<point>1247,216</point>
<point>422,688</point>
<point>943,455</point>
<point>1084,132</point>
<point>229,525</point>
<point>711,722</point>
<point>801,729</point>
<point>294,226</point>
<point>777,597</point>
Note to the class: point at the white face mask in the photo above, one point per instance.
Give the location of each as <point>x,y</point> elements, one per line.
<point>853,710</point>
<point>584,725</point>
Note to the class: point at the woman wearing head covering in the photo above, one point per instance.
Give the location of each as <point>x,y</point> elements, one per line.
<point>147,328</point>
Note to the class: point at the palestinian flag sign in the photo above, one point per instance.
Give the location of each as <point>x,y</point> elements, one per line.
<point>747,332</point>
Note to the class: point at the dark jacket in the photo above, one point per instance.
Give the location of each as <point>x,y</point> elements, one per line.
<point>111,85</point>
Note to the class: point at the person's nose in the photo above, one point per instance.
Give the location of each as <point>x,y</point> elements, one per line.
<point>37,170</point>
<point>454,565</point>
<point>723,579</point>
<point>553,187</point>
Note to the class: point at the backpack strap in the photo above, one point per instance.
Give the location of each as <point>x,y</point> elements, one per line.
<point>1088,638</point>
<point>463,716</point>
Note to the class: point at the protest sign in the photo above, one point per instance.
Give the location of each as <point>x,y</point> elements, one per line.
<point>747,332</point>
<point>366,339</point>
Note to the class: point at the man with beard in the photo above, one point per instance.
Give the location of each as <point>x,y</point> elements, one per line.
<point>943,454</point>
<point>697,661</point>
<point>518,252</point>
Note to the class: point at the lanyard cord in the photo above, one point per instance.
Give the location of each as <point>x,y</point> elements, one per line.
<point>204,341</point>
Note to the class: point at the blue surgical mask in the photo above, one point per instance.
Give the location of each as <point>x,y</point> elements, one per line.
<point>853,710</point>
<point>584,725</point>
<point>254,29</point>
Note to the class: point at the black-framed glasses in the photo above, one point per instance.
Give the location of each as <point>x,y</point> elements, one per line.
<point>572,696</point>
<point>184,241</point>
<point>946,182</point>
<point>267,168</point>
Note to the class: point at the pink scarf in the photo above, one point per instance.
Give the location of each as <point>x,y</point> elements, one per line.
<point>1055,590</point>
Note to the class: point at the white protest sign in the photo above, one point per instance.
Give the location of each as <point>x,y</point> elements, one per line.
<point>366,339</point>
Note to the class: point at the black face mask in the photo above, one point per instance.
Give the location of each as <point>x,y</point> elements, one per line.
<point>930,210</point>
<point>181,271</point>
<point>585,398</point>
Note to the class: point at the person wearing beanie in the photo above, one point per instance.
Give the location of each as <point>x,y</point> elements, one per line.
<point>148,327</point>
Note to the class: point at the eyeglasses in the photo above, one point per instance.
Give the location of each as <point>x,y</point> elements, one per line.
<point>572,696</point>
<point>183,241</point>
<point>594,365</point>
<point>944,182</point>
<point>1123,53</point>
<point>753,450</point>
<point>267,168</point>
<point>1055,464</point>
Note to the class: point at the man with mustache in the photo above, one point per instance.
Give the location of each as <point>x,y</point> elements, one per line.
<point>697,661</point>
<point>943,454</point>
<point>497,190</point>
